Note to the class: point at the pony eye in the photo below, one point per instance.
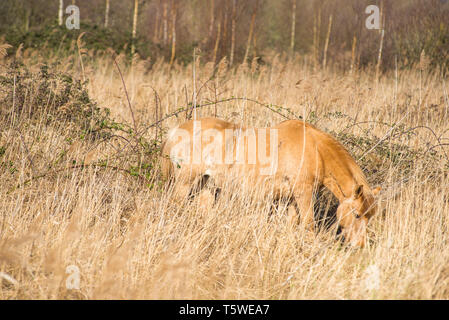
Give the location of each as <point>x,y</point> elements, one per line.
<point>356,213</point>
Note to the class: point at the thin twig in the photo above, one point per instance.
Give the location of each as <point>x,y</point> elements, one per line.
<point>385,137</point>
<point>183,109</point>
<point>79,166</point>
<point>127,96</point>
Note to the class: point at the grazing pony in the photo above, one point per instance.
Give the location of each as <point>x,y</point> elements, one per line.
<point>291,160</point>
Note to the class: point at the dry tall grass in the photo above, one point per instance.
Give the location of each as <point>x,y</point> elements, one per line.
<point>132,241</point>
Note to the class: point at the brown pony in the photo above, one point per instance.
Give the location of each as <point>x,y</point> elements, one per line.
<point>292,159</point>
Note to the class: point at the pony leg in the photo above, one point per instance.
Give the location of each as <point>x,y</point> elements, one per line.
<point>293,216</point>
<point>181,191</point>
<point>303,200</point>
<point>206,200</point>
<point>189,190</point>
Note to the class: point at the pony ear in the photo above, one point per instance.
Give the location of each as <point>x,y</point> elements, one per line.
<point>376,190</point>
<point>357,191</point>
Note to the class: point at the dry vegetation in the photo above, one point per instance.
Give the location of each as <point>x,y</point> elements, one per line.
<point>89,194</point>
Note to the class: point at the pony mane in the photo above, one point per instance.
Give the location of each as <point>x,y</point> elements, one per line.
<point>343,158</point>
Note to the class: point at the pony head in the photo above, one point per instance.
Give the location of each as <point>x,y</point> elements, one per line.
<point>354,212</point>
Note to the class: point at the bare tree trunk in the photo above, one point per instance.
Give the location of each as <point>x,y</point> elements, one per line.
<point>327,41</point>
<point>231,57</point>
<point>136,12</point>
<point>382,34</point>
<point>212,17</point>
<point>316,37</point>
<point>173,37</point>
<point>354,45</point>
<point>27,18</point>
<point>156,26</point>
<point>292,34</point>
<point>194,84</point>
<point>255,44</point>
<point>217,42</point>
<point>314,40</point>
<point>379,56</point>
<point>225,25</point>
<point>61,12</point>
<point>106,15</point>
<point>160,28</point>
<point>251,30</point>
<point>164,16</point>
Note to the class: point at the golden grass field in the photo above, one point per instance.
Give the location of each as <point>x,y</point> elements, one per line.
<point>132,241</point>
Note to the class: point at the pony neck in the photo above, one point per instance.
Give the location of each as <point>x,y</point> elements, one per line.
<point>341,179</point>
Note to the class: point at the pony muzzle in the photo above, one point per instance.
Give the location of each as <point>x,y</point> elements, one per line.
<point>355,236</point>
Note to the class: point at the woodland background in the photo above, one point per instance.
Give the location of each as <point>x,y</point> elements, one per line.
<point>240,30</point>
